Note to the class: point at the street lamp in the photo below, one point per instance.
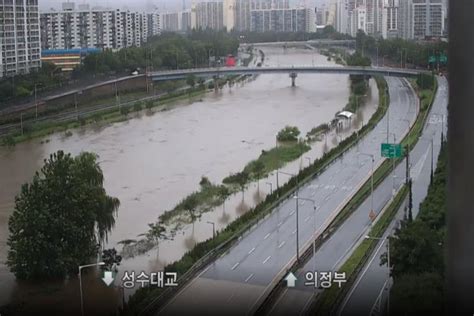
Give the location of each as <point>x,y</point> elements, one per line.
<point>21,123</point>
<point>36,102</point>
<point>297,198</point>
<point>80,280</point>
<point>209,56</point>
<point>377,55</point>
<point>271,187</point>
<point>371,213</point>
<point>117,96</point>
<point>432,155</point>
<point>408,153</point>
<point>285,173</point>
<point>387,238</point>
<point>213,228</point>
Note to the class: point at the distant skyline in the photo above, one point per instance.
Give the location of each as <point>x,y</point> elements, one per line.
<point>163,5</point>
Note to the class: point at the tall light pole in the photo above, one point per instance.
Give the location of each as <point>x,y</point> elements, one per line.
<point>36,99</point>
<point>209,56</point>
<point>297,230</point>
<point>271,187</point>
<point>371,213</point>
<point>213,228</point>
<point>408,154</point>
<point>285,173</point>
<point>80,280</point>
<point>315,224</point>
<point>432,155</point>
<point>388,266</point>
<point>377,55</point>
<point>117,97</point>
<point>21,123</point>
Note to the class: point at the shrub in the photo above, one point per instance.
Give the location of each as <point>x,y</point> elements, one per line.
<point>137,106</point>
<point>149,104</point>
<point>9,141</point>
<point>289,133</point>
<point>124,110</point>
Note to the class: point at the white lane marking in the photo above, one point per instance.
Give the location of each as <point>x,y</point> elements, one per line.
<point>230,298</point>
<point>266,236</point>
<point>307,219</point>
<point>292,212</point>
<point>302,202</point>
<point>327,197</point>
<point>279,224</point>
<point>313,193</point>
<point>281,245</point>
<point>265,261</point>
<point>248,278</point>
<point>235,265</point>
<point>294,232</point>
<point>252,250</point>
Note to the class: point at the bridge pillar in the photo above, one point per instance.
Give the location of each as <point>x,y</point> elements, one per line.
<point>293,76</point>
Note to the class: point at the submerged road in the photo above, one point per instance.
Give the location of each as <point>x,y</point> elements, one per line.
<point>370,284</point>
<point>236,282</point>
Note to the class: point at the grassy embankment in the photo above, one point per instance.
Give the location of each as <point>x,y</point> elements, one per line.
<point>107,116</point>
<point>33,130</point>
<point>147,299</point>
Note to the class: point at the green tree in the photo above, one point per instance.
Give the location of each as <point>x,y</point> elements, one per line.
<point>155,233</point>
<point>415,249</point>
<point>258,170</point>
<point>111,259</point>
<point>289,133</point>
<point>191,80</point>
<point>241,179</point>
<point>60,218</point>
<point>190,205</point>
<point>417,294</point>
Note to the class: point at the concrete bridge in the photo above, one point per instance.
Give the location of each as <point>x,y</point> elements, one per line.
<point>316,42</point>
<point>291,71</point>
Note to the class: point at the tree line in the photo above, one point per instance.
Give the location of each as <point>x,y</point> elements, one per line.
<point>417,252</point>
<point>162,52</point>
<point>398,50</point>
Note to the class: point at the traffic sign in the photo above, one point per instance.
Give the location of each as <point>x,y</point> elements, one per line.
<point>443,59</point>
<point>392,150</point>
<point>432,59</point>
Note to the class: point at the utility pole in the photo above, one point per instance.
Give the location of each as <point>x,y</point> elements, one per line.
<point>297,231</point>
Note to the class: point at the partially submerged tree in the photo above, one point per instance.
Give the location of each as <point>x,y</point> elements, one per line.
<point>258,169</point>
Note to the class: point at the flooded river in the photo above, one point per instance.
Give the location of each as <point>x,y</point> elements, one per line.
<point>153,161</point>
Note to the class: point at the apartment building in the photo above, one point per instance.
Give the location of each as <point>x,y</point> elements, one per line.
<point>20,49</point>
<point>209,15</point>
<point>358,20</point>
<point>104,28</point>
<point>428,18</point>
<point>283,20</point>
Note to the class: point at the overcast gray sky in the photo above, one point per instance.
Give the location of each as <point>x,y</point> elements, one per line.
<point>165,5</point>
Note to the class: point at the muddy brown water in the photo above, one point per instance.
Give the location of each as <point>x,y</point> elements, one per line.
<point>152,161</point>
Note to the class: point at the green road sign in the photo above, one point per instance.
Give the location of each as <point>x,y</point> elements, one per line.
<point>432,59</point>
<point>443,59</point>
<point>392,150</point>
